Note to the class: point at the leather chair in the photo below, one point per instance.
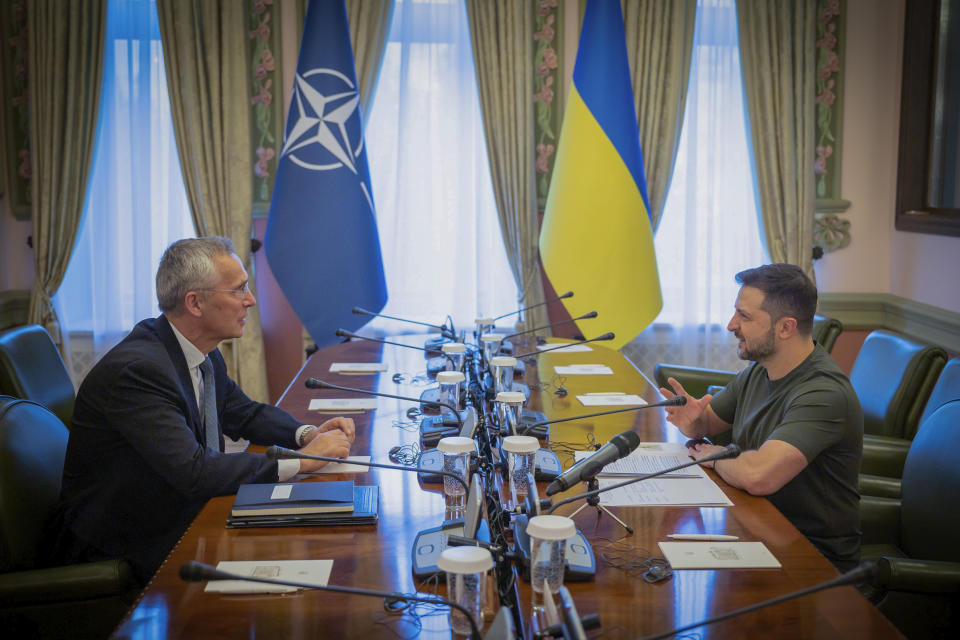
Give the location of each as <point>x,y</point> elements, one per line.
<point>889,454</point>
<point>76,601</point>
<point>915,538</point>
<point>31,368</point>
<point>699,382</point>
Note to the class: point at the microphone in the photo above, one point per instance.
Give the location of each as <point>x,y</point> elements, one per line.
<point>568,294</point>
<point>343,333</point>
<point>619,446</point>
<point>364,312</point>
<point>275,452</point>
<point>729,451</point>
<point>606,336</point>
<point>199,572</point>
<point>586,316</point>
<point>865,571</point>
<point>316,383</point>
<point>675,401</point>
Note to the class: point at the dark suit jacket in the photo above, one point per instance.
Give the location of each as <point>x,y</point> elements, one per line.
<point>136,471</point>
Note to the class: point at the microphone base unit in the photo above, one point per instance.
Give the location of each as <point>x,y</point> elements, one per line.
<point>433,428</point>
<point>579,563</point>
<point>433,346</point>
<point>430,397</point>
<point>431,460</point>
<point>430,543</point>
<point>529,417</point>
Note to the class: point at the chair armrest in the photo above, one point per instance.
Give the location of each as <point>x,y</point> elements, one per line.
<point>919,576</point>
<point>694,379</point>
<point>879,486</point>
<point>71,582</point>
<point>879,520</point>
<point>884,455</point>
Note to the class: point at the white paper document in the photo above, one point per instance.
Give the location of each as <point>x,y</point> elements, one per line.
<point>345,466</point>
<point>315,572</point>
<point>357,367</point>
<point>718,555</point>
<point>644,460</point>
<point>342,404</point>
<point>610,400</point>
<point>574,346</point>
<point>692,492</point>
<point>584,370</point>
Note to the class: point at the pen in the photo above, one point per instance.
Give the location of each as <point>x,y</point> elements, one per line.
<point>701,536</point>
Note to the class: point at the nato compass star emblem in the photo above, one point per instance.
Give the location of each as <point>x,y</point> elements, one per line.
<point>325,122</point>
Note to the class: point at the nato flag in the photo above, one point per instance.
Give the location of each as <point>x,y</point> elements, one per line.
<point>321,241</point>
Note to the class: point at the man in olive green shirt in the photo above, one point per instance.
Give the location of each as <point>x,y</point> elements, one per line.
<point>793,412</point>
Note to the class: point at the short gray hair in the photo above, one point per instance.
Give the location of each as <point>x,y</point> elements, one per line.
<point>187,265</point>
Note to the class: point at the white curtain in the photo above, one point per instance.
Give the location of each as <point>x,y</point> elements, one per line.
<point>442,249</point>
<point>136,204</point>
<point>710,228</point>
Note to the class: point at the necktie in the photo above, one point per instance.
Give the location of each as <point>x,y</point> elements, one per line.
<point>208,404</point>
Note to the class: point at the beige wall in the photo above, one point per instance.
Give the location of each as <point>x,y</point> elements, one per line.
<point>881,259</point>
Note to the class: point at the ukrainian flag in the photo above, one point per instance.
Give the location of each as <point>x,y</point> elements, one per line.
<point>597,237</point>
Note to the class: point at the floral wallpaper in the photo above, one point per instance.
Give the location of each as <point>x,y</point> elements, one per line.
<point>15,115</point>
<point>546,82</point>
<point>266,116</point>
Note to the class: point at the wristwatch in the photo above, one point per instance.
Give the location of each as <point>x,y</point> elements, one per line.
<point>308,429</point>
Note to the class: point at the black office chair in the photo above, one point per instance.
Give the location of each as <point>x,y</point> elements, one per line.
<point>915,538</point>
<point>76,601</point>
<point>889,454</point>
<point>31,368</point>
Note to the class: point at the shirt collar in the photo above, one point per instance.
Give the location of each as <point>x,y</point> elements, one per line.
<point>194,356</point>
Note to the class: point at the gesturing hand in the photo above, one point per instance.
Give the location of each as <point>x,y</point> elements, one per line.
<point>685,417</point>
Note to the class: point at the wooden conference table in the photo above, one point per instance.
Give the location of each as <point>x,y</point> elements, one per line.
<point>378,557</point>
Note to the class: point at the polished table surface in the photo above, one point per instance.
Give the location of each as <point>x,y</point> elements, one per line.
<point>378,557</point>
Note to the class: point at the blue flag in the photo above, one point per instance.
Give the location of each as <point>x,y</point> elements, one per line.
<point>321,241</point>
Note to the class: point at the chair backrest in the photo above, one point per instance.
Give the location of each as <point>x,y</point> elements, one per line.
<point>929,519</point>
<point>946,389</point>
<point>893,377</point>
<point>33,445</point>
<point>826,330</point>
<point>31,368</point>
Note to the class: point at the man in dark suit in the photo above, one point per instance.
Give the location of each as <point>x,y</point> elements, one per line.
<point>146,442</point>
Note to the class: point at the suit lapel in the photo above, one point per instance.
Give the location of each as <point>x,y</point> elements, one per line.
<point>172,346</point>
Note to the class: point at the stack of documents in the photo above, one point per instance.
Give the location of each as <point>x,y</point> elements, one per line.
<point>686,487</point>
<point>302,504</point>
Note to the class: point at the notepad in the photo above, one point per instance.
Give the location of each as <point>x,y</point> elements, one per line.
<point>553,347</point>
<point>358,367</point>
<point>610,400</point>
<point>285,498</point>
<point>718,555</point>
<point>316,572</point>
<point>584,370</point>
<point>343,404</point>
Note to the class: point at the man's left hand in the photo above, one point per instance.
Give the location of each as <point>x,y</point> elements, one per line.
<point>698,450</point>
<point>339,423</point>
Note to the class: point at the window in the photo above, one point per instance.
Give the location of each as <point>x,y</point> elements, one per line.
<point>136,204</point>
<point>438,224</point>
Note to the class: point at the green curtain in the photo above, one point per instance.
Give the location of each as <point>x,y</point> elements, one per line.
<point>204,49</point>
<point>66,41</point>
<point>501,33</point>
<point>369,27</point>
<point>779,70</point>
<point>659,46</point>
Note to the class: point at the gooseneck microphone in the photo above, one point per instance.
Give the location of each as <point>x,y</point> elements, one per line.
<point>606,336</point>
<point>568,294</point>
<point>865,571</point>
<point>675,401</point>
<point>586,316</point>
<point>343,333</point>
<point>275,452</point>
<point>199,572</point>
<point>619,446</point>
<point>729,451</point>
<point>316,383</point>
<point>444,330</point>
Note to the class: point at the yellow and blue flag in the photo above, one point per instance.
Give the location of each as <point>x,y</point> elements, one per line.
<point>597,238</point>
<point>322,242</point>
